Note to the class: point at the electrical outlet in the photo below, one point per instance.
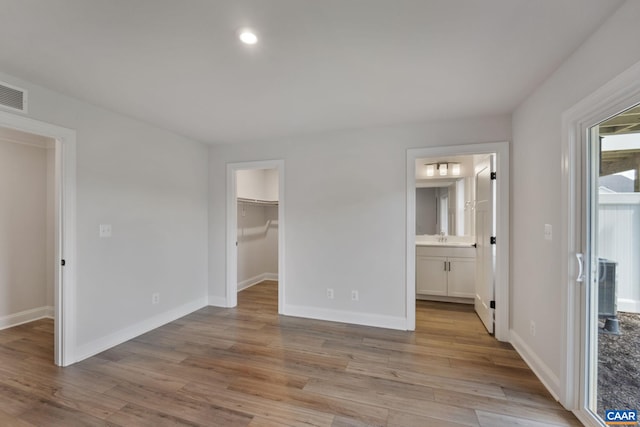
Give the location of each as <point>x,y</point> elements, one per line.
<point>329,293</point>
<point>532,328</point>
<point>155,298</point>
<point>354,296</point>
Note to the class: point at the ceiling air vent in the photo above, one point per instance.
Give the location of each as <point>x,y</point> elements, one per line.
<point>13,98</point>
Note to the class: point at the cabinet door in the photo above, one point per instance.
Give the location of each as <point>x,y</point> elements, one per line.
<point>462,277</point>
<point>431,276</point>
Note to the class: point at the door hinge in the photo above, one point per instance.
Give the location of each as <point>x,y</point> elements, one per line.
<point>492,304</point>
<point>492,240</point>
<point>494,176</point>
<point>63,262</point>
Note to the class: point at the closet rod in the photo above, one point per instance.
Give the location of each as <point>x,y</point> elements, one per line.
<point>258,202</point>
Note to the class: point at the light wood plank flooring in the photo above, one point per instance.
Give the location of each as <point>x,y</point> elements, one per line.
<point>249,366</point>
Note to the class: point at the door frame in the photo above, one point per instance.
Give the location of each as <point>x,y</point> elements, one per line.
<point>232,229</point>
<point>610,99</point>
<point>501,149</point>
<point>64,229</point>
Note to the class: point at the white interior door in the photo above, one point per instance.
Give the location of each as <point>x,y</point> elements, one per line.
<point>485,255</point>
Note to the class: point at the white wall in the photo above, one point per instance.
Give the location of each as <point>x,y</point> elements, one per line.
<point>536,191</point>
<point>151,185</point>
<point>271,184</point>
<point>345,212</point>
<point>257,184</point>
<point>23,229</point>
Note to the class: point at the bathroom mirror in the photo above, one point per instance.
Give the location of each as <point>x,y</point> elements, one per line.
<point>445,207</point>
<point>445,194</point>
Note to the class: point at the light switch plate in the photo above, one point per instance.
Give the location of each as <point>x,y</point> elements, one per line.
<point>105,230</point>
<point>548,232</point>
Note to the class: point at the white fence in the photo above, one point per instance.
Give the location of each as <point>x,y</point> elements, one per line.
<point>619,241</point>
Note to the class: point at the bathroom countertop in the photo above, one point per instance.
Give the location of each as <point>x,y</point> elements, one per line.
<point>447,244</point>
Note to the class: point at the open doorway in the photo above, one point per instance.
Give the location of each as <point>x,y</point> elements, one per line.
<point>455,255</point>
<point>64,251</point>
<point>60,259</point>
<point>27,221</point>
<point>255,232</point>
<point>455,259</point>
<point>257,235</point>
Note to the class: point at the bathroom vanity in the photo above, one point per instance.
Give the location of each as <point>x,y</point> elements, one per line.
<point>445,270</point>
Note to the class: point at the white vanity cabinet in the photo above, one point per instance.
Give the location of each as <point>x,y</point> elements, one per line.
<point>446,271</point>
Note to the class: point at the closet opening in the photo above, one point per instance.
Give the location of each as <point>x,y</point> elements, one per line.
<point>27,243</point>
<point>255,249</point>
<point>61,152</point>
<point>257,236</point>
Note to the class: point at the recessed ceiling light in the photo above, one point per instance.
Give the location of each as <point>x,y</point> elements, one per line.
<point>247,37</point>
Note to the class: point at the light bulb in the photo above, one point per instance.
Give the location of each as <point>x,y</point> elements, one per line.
<point>248,37</point>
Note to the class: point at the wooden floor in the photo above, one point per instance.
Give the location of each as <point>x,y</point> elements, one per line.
<point>249,366</point>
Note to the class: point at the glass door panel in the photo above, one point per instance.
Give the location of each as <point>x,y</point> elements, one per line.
<point>612,320</point>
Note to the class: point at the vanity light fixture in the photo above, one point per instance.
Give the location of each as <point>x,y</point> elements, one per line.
<point>443,168</point>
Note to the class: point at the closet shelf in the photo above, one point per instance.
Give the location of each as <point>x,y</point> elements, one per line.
<point>258,202</point>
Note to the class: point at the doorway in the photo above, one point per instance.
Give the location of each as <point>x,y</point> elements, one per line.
<point>255,227</point>
<point>27,224</point>
<point>64,227</point>
<point>459,228</point>
<point>583,258</point>
<point>610,255</point>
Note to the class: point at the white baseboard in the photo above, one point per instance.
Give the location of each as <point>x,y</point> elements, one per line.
<point>256,279</point>
<point>367,319</point>
<point>458,300</point>
<point>217,301</point>
<point>101,344</point>
<point>25,316</point>
<point>542,371</point>
<point>51,312</point>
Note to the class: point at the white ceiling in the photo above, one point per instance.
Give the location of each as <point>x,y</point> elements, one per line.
<point>319,65</point>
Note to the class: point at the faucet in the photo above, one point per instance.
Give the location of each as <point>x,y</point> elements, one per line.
<point>442,237</point>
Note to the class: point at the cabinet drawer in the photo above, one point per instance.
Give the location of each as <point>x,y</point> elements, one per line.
<point>446,251</point>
